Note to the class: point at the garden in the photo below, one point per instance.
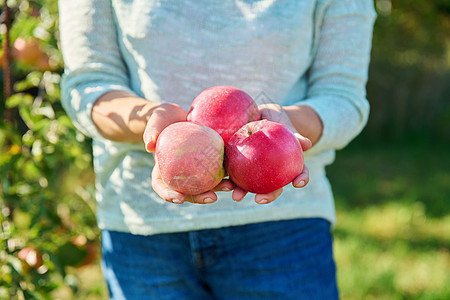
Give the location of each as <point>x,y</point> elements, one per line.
<point>392,183</point>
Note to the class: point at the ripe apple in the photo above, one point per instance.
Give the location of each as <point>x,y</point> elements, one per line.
<point>92,252</point>
<point>190,157</point>
<point>224,109</point>
<point>29,52</point>
<point>263,156</point>
<point>31,257</point>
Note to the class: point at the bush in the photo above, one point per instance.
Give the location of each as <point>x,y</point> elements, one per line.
<point>46,204</point>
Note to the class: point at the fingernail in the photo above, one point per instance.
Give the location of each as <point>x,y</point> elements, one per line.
<point>297,135</point>
<point>172,194</point>
<point>300,184</point>
<point>209,200</point>
<point>263,201</point>
<point>151,141</point>
<point>177,201</point>
<point>225,189</point>
<point>147,148</point>
<point>237,200</point>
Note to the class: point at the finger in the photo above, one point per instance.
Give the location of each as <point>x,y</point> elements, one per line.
<point>205,198</point>
<point>302,179</point>
<point>176,197</point>
<point>167,194</point>
<point>305,143</point>
<point>164,115</point>
<point>238,194</point>
<point>276,113</point>
<point>162,190</point>
<point>225,185</point>
<point>150,136</point>
<point>273,112</point>
<point>154,127</point>
<point>269,197</point>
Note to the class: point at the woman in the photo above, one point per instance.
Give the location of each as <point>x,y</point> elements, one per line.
<point>133,67</point>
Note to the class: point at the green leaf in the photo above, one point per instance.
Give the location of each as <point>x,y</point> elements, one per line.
<point>71,255</point>
<point>19,100</point>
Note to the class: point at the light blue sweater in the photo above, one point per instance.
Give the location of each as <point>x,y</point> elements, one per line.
<point>291,52</point>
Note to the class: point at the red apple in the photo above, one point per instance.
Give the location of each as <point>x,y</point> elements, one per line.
<point>224,109</point>
<point>190,157</point>
<point>92,252</point>
<point>31,53</point>
<point>263,156</point>
<point>30,257</point>
<point>89,247</point>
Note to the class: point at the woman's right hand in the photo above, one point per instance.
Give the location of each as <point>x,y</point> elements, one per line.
<point>176,197</point>
<point>163,116</point>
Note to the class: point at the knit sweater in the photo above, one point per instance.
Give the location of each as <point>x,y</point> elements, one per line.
<point>289,52</point>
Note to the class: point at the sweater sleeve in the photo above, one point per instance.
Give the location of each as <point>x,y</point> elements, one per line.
<point>93,64</point>
<point>339,71</point>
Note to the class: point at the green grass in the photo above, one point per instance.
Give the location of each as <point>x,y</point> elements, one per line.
<point>392,239</point>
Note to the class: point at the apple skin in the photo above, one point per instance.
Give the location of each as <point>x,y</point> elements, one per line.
<point>31,257</point>
<point>28,52</point>
<point>190,157</point>
<point>224,109</point>
<point>263,156</point>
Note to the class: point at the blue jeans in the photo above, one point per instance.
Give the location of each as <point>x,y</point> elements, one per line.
<point>272,260</point>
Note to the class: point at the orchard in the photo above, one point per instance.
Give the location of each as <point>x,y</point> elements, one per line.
<point>391,184</point>
<point>48,229</point>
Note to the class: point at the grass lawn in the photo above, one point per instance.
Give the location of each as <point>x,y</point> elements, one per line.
<point>392,240</point>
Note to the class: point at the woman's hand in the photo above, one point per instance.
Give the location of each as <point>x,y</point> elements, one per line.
<point>175,197</point>
<point>275,113</point>
<point>163,116</point>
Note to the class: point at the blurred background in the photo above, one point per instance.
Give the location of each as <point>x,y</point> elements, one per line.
<point>392,184</point>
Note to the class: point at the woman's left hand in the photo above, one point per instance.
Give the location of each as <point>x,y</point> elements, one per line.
<point>275,113</point>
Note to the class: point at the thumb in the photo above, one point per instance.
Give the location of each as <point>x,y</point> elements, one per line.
<point>155,125</point>
<point>305,143</point>
<point>150,136</point>
<point>162,116</point>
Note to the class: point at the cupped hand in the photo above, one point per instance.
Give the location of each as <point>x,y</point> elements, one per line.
<point>275,113</point>
<point>163,116</point>
<point>175,197</point>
